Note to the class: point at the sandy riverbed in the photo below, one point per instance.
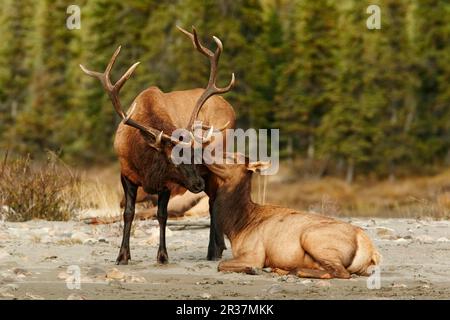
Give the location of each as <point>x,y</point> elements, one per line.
<point>35,256</point>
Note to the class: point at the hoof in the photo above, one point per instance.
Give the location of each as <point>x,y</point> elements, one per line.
<point>214,255</point>
<point>121,262</point>
<point>162,257</point>
<point>124,256</point>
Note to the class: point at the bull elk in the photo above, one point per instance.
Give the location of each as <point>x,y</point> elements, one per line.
<point>144,144</point>
<point>288,241</point>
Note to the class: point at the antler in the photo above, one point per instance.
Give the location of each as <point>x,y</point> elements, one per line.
<point>113,92</point>
<point>211,88</point>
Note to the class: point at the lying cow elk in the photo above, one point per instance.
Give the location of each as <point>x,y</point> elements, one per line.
<point>288,241</point>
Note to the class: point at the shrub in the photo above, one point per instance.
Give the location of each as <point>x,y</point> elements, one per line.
<point>46,190</point>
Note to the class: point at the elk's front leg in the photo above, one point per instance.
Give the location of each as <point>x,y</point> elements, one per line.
<point>163,200</point>
<point>216,238</point>
<point>130,190</point>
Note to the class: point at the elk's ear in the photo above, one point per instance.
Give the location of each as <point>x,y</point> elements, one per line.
<point>258,166</point>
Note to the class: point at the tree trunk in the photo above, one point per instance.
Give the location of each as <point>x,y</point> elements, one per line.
<point>350,171</point>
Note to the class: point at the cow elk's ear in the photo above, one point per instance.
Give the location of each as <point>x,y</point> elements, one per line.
<point>258,166</point>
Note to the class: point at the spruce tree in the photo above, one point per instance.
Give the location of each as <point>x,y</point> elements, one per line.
<point>307,89</point>
<point>15,58</point>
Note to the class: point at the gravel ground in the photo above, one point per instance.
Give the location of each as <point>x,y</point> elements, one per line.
<point>37,259</point>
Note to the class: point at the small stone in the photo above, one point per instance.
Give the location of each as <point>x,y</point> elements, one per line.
<point>268,270</point>
<point>79,236</point>
<point>89,241</point>
<point>274,289</point>
<point>399,285</point>
<point>424,239</point>
<point>102,240</point>
<point>136,279</point>
<point>291,279</point>
<point>51,258</point>
<point>323,283</point>
<point>205,296</point>
<point>115,274</point>
<point>307,281</point>
<point>33,296</point>
<point>75,297</point>
<point>20,271</point>
<point>386,233</point>
<point>62,276</point>
<point>442,239</point>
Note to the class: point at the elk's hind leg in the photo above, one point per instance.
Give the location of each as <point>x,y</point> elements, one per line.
<point>238,265</point>
<point>130,190</point>
<point>163,200</point>
<point>312,273</point>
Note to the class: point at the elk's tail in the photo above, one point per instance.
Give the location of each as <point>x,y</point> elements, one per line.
<point>366,254</point>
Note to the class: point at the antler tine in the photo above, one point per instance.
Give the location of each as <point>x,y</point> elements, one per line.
<point>211,88</point>
<point>113,92</point>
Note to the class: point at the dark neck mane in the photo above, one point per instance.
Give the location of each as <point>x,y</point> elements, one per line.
<point>234,207</point>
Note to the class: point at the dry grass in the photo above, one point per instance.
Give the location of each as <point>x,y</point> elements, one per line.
<point>101,192</point>
<point>52,191</point>
<point>409,197</point>
<point>29,190</point>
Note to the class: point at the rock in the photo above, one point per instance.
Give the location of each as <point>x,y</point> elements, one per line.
<point>386,233</point>
<point>33,296</point>
<point>307,281</point>
<point>89,241</point>
<point>153,234</point>
<point>274,289</point>
<point>75,297</point>
<point>205,296</point>
<point>103,240</point>
<point>62,276</point>
<point>20,271</point>
<point>323,283</point>
<point>442,239</point>
<point>401,240</point>
<point>424,239</point>
<point>79,236</point>
<point>136,279</point>
<point>115,274</point>
<point>51,258</point>
<point>268,270</point>
<point>399,285</point>
<point>291,279</point>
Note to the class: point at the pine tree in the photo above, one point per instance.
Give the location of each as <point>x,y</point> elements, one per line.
<point>432,122</point>
<point>348,130</point>
<point>15,26</point>
<point>391,86</point>
<point>307,89</point>
<point>38,127</point>
<point>108,24</point>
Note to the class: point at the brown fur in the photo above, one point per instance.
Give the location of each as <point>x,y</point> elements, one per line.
<point>306,244</point>
<point>164,111</point>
